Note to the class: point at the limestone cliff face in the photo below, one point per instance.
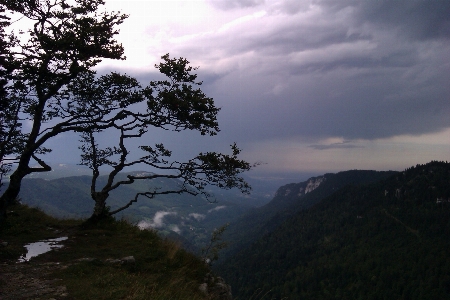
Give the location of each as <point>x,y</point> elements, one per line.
<point>300,188</point>
<point>297,196</point>
<point>314,184</point>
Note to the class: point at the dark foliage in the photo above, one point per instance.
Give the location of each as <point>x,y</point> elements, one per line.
<point>65,41</point>
<point>175,104</point>
<point>53,85</point>
<point>387,240</point>
<point>289,200</point>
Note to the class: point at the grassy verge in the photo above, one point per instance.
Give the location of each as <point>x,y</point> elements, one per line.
<point>27,225</point>
<point>162,270</point>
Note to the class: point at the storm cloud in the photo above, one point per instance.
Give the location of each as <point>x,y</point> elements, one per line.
<point>298,77</point>
<point>352,69</point>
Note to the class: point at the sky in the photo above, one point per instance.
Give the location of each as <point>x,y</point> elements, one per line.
<point>304,86</point>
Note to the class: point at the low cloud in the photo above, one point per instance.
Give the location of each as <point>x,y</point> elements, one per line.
<point>217,208</point>
<point>342,145</point>
<point>234,4</point>
<point>175,228</point>
<point>196,216</point>
<point>157,221</point>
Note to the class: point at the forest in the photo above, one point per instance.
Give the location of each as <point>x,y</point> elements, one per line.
<point>385,240</point>
<point>353,235</point>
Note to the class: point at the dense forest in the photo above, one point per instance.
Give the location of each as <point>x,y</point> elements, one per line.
<point>386,240</point>
<point>290,199</point>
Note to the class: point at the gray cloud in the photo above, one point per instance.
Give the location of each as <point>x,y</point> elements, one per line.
<point>353,69</point>
<point>292,7</point>
<point>354,73</point>
<point>234,4</point>
<point>343,145</point>
<point>417,19</point>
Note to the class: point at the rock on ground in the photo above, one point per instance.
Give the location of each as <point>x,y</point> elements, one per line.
<point>30,281</point>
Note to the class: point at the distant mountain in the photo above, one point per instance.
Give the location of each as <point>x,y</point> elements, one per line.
<point>191,217</point>
<point>62,170</point>
<point>263,189</point>
<point>386,240</point>
<point>288,200</point>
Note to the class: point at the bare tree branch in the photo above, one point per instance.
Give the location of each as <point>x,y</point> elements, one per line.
<point>150,195</point>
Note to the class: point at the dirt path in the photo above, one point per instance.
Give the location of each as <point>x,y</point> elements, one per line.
<point>30,280</point>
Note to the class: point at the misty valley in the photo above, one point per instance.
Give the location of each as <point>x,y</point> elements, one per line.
<point>244,149</point>
<point>347,235</point>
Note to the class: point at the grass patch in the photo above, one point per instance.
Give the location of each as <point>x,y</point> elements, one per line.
<point>27,225</point>
<point>162,270</point>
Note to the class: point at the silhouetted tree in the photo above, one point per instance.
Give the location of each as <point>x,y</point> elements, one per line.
<point>174,104</point>
<point>52,84</point>
<point>11,100</point>
<point>4,128</point>
<point>66,40</point>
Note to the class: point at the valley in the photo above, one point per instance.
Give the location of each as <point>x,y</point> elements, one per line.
<point>346,235</point>
<point>384,240</point>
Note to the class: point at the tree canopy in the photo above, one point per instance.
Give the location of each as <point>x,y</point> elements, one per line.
<point>49,80</point>
<point>175,104</point>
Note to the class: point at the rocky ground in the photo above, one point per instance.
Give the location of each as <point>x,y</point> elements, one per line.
<point>30,280</point>
<point>41,277</point>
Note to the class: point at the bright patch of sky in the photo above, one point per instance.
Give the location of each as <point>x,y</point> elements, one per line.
<point>304,85</point>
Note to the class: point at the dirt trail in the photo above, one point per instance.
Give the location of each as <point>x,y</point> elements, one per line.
<point>30,280</point>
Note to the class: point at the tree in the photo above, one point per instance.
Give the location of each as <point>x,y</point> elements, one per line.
<point>211,251</point>
<point>174,104</point>
<point>5,133</point>
<point>52,84</point>
<point>66,40</point>
<point>10,102</point>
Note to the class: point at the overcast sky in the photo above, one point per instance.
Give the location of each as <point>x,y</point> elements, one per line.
<point>305,86</point>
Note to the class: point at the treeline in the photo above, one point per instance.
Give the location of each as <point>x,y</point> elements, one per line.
<point>288,201</point>
<point>387,240</point>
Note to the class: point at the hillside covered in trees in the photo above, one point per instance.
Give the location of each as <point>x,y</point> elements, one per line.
<point>288,200</point>
<point>386,240</point>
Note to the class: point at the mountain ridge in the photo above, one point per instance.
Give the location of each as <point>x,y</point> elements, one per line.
<point>384,240</point>
<point>194,218</point>
<point>288,200</point>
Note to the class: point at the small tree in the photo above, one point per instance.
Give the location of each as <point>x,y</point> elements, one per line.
<point>210,252</point>
<point>174,104</point>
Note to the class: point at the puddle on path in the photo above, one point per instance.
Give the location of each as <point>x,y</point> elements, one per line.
<point>35,249</point>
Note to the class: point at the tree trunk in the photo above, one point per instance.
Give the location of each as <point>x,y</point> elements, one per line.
<point>9,197</point>
<point>100,209</point>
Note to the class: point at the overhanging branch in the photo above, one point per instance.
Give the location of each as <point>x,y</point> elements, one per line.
<point>151,195</point>
<point>45,167</point>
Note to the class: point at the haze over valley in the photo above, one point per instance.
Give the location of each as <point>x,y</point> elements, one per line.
<point>225,149</point>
